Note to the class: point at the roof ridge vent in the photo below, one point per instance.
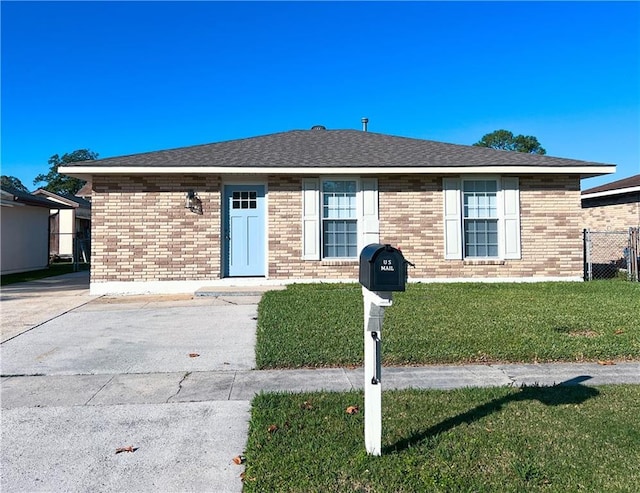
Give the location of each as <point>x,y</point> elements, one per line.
<point>318,127</point>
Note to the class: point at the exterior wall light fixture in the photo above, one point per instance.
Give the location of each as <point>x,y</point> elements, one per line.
<point>193,202</point>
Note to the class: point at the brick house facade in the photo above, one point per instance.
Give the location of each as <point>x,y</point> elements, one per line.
<point>614,206</point>
<point>457,212</point>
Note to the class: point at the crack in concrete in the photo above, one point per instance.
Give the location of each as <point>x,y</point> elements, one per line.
<point>502,369</point>
<point>49,320</point>
<point>184,377</point>
<point>224,300</point>
<point>100,390</point>
<point>232,384</point>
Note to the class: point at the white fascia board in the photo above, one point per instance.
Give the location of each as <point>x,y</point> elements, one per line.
<point>63,201</point>
<point>83,171</point>
<point>608,193</point>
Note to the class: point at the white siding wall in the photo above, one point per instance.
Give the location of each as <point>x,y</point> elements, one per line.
<point>67,230</point>
<point>24,239</point>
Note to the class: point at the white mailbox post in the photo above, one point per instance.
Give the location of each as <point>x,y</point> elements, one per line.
<point>374,304</point>
<point>383,269</point>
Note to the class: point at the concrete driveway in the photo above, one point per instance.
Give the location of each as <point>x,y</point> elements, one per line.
<point>147,372</point>
<point>28,304</point>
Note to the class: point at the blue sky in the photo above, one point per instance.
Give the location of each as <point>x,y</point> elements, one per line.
<point>126,77</point>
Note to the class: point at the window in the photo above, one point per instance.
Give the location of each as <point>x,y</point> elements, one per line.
<point>339,219</point>
<point>339,216</point>
<point>481,218</point>
<point>244,200</point>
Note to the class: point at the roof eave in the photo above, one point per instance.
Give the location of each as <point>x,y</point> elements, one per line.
<point>86,172</point>
<point>609,193</point>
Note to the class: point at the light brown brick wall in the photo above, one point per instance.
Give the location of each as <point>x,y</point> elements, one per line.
<point>613,217</point>
<point>285,237</point>
<point>142,232</point>
<point>411,217</point>
<point>551,240</point>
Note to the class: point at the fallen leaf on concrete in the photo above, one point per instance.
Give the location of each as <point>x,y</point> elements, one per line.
<point>193,355</point>
<point>352,410</point>
<point>272,428</point>
<point>608,362</point>
<point>130,448</point>
<point>239,459</point>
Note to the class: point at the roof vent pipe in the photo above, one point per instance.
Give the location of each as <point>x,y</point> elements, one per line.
<point>364,124</point>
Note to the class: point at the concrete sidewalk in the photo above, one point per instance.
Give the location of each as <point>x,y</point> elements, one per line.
<point>243,385</point>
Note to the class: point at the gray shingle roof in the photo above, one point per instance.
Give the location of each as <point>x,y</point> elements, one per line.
<point>29,199</point>
<point>71,199</point>
<point>331,149</point>
<point>622,184</point>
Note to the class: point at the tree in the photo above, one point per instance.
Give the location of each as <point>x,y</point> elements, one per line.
<point>505,140</point>
<point>13,182</point>
<point>58,183</point>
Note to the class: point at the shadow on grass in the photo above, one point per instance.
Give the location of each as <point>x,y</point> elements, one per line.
<point>567,392</point>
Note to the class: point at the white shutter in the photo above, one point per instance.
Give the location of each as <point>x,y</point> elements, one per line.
<point>452,219</point>
<point>370,230</point>
<point>310,219</point>
<point>511,214</point>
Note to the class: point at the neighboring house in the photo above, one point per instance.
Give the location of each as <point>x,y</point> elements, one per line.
<point>85,192</point>
<point>68,224</point>
<point>24,235</point>
<point>614,206</point>
<point>300,206</point>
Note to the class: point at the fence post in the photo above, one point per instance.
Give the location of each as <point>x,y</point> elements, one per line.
<point>634,255</point>
<point>587,274</point>
<point>75,253</point>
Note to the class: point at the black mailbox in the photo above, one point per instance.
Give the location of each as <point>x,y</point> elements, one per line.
<point>382,268</point>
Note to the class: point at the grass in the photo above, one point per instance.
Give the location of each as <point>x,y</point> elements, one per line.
<point>317,325</point>
<point>554,439</point>
<point>53,270</point>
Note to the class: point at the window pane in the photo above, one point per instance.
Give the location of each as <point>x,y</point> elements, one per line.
<point>342,186</point>
<point>339,238</point>
<point>480,199</point>
<point>481,237</point>
<point>339,199</point>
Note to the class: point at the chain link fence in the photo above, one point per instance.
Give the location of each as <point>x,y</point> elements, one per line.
<point>69,247</point>
<point>612,254</point>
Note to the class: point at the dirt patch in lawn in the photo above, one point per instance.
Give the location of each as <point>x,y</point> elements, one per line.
<point>582,333</point>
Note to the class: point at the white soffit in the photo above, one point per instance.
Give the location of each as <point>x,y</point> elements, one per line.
<point>263,170</point>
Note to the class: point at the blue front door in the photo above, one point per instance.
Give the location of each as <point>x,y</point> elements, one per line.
<point>244,230</point>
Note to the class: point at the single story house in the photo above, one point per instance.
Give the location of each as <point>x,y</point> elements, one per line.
<point>68,225</point>
<point>300,205</point>
<point>24,235</point>
<point>614,206</point>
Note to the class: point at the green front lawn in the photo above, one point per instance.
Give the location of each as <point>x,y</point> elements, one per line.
<point>315,325</point>
<point>556,439</point>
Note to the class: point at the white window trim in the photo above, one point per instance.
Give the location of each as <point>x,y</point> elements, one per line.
<point>358,218</point>
<point>367,215</point>
<point>499,216</point>
<point>453,217</point>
